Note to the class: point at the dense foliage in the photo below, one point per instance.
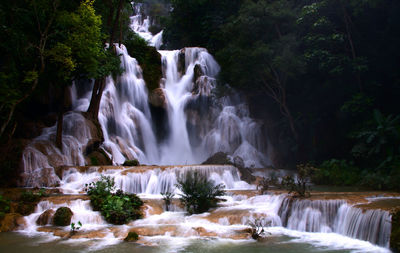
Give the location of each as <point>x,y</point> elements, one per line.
<point>322,74</point>
<point>117,207</point>
<point>4,206</point>
<point>199,194</point>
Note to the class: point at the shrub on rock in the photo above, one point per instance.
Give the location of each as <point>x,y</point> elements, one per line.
<point>199,194</point>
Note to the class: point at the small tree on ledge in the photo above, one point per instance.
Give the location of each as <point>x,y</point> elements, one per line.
<point>198,193</point>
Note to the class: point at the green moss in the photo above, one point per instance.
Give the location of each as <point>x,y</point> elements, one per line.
<point>395,234</point>
<point>62,217</point>
<point>131,237</point>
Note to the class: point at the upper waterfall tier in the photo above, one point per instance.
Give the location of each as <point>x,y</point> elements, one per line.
<point>196,123</point>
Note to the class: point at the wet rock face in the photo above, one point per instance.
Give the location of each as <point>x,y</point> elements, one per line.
<point>182,61</point>
<point>45,218</point>
<point>62,217</point>
<point>11,222</point>
<point>395,233</point>
<point>218,158</point>
<point>157,98</point>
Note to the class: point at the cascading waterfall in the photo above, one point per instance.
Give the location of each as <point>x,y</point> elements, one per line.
<point>154,180</point>
<point>200,124</point>
<point>338,217</point>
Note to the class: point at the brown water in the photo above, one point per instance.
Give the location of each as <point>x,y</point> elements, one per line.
<point>15,242</point>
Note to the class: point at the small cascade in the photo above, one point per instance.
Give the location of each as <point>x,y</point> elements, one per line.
<point>336,216</point>
<point>81,209</point>
<point>152,181</point>
<point>140,24</point>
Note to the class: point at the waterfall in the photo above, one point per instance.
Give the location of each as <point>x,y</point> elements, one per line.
<point>154,180</point>
<point>200,124</point>
<point>336,216</point>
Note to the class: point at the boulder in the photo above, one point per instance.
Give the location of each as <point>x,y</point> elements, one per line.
<point>182,61</point>
<point>133,162</point>
<point>222,158</point>
<point>11,222</point>
<point>131,237</point>
<point>45,218</point>
<point>98,157</point>
<point>62,217</point>
<point>198,71</point>
<point>218,158</point>
<point>157,98</point>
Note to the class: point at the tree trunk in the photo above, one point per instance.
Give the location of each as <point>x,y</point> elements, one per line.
<point>98,88</point>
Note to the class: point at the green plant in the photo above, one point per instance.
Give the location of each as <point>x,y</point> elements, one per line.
<point>299,186</point>
<point>167,197</point>
<point>4,206</point>
<point>198,193</point>
<point>118,207</point>
<point>336,172</point>
<point>99,190</point>
<point>380,140</point>
<point>75,227</point>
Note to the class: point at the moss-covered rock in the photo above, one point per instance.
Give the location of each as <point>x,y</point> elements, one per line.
<point>131,237</point>
<point>133,162</point>
<point>218,158</point>
<point>11,221</point>
<point>395,234</point>
<point>148,57</point>
<point>62,217</point>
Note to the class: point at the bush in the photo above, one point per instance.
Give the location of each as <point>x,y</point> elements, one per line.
<point>28,196</point>
<point>117,208</point>
<point>4,206</point>
<point>299,186</point>
<point>133,162</point>
<point>198,193</point>
<point>336,172</point>
<point>62,217</point>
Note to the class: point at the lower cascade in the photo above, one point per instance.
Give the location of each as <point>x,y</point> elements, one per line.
<point>338,217</point>
<point>279,213</point>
